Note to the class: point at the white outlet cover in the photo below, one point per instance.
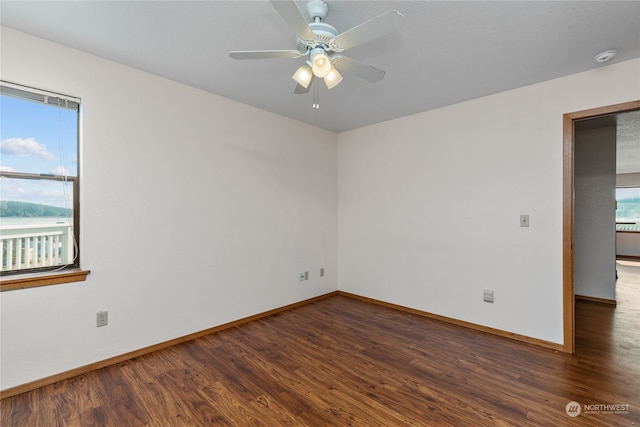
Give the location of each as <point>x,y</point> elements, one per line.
<point>102,318</point>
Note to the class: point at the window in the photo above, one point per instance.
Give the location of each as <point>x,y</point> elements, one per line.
<point>39,181</point>
<point>628,209</point>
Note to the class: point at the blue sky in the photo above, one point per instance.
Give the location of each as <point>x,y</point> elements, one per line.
<point>41,139</point>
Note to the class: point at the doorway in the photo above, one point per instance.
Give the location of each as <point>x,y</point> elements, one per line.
<point>568,208</point>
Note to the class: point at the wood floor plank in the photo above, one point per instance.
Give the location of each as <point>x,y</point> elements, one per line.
<point>345,362</point>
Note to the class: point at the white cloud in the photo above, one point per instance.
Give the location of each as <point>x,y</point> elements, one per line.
<point>60,170</point>
<point>7,169</point>
<point>45,192</point>
<point>25,147</point>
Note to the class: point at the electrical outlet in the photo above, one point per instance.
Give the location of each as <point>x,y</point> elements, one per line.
<point>322,272</point>
<point>301,277</point>
<point>102,318</point>
<point>488,296</point>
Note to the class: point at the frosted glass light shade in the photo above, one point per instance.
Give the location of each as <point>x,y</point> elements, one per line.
<point>333,78</point>
<point>321,65</point>
<point>303,75</point>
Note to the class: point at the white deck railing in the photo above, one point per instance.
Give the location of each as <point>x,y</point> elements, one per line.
<point>34,246</point>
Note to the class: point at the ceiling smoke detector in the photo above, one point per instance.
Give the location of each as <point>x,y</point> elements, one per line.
<point>605,56</point>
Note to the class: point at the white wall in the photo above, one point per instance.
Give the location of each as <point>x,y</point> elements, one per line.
<point>594,245</point>
<point>628,244</point>
<point>429,204</point>
<point>196,211</point>
<point>428,214</point>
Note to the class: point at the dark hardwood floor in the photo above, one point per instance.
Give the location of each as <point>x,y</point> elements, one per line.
<point>344,362</point>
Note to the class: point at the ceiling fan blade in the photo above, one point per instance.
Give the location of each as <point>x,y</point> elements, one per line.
<point>364,71</point>
<point>264,54</point>
<point>379,26</point>
<point>292,16</point>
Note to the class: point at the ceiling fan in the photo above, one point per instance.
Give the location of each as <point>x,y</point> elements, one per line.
<point>321,44</point>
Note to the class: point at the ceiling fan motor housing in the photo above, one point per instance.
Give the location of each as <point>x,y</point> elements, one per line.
<point>324,35</point>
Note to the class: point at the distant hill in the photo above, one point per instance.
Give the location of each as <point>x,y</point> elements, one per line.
<point>32,210</point>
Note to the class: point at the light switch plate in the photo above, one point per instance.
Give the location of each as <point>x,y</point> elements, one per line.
<point>487,296</point>
<point>524,220</point>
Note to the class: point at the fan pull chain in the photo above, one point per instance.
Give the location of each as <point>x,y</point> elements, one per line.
<point>316,103</point>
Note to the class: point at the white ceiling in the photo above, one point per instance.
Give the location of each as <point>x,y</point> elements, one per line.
<point>447,51</point>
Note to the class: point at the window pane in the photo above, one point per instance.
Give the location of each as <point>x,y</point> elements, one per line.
<point>29,201</point>
<point>628,209</point>
<point>36,224</point>
<point>38,138</point>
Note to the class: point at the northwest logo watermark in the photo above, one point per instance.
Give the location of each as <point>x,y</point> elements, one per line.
<point>573,409</point>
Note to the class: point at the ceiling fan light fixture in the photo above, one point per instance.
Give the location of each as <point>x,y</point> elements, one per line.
<point>320,63</point>
<point>322,45</point>
<point>333,78</point>
<point>303,75</point>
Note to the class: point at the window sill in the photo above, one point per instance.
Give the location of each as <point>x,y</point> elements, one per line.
<point>42,279</point>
